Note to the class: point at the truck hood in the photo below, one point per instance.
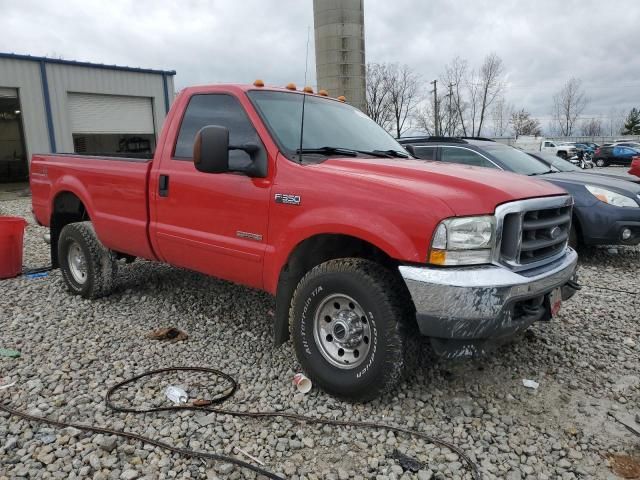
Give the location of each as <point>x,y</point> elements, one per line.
<point>464,189</point>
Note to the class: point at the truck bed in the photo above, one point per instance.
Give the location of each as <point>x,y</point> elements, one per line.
<point>113,189</point>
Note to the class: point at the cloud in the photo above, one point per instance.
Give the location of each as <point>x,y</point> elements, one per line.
<point>542,43</point>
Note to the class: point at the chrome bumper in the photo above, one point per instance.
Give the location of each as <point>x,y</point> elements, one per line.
<point>483,302</point>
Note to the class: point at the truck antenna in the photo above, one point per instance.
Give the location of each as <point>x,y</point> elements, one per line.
<point>304,95</point>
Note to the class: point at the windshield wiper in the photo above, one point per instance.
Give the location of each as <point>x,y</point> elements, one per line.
<point>541,173</point>
<point>329,151</point>
<point>352,153</point>
<point>388,153</point>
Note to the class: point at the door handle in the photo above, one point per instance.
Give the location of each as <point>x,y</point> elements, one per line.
<point>163,185</point>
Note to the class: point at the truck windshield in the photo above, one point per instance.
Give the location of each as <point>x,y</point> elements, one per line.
<point>517,161</point>
<point>330,127</point>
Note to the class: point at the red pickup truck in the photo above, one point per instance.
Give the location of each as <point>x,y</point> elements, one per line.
<point>364,247</point>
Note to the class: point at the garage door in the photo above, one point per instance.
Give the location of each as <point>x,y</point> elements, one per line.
<point>8,92</point>
<point>91,113</point>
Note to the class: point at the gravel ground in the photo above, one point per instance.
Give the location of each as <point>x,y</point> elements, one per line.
<point>587,362</point>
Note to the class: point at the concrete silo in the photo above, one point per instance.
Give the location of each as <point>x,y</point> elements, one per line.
<point>339,39</point>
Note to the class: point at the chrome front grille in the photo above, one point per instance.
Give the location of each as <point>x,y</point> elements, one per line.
<point>533,232</point>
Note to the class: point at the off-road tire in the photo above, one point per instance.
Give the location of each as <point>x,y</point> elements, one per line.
<point>101,264</point>
<point>395,340</point>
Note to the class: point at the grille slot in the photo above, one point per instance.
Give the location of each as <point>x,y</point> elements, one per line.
<point>532,235</point>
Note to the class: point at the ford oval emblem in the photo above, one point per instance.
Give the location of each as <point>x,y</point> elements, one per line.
<point>555,232</point>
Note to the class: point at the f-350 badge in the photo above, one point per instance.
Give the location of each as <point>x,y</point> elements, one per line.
<point>287,199</point>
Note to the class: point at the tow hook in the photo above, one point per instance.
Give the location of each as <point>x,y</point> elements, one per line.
<point>570,288</point>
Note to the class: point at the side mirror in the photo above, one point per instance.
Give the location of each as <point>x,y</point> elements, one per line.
<point>410,149</point>
<point>211,149</point>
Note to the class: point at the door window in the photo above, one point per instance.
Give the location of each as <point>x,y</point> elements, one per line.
<point>425,153</point>
<point>627,151</point>
<point>464,156</point>
<point>222,110</point>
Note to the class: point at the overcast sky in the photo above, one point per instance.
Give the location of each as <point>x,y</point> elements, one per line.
<point>542,43</point>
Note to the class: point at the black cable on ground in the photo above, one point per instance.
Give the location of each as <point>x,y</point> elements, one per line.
<point>617,290</point>
<point>206,405</point>
<point>31,271</point>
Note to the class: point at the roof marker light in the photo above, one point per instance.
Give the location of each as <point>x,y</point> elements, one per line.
<point>291,86</point>
<point>342,98</point>
<point>323,93</point>
<point>258,83</point>
<point>307,90</point>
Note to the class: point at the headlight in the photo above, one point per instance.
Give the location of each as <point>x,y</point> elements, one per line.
<point>463,241</point>
<point>612,198</point>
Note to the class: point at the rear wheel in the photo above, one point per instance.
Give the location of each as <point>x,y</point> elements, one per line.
<point>88,268</point>
<point>351,328</point>
<point>601,162</point>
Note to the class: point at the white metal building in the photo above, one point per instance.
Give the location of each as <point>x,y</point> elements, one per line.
<point>51,105</point>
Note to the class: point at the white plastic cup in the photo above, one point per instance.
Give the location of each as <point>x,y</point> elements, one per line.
<point>302,383</point>
<point>176,394</point>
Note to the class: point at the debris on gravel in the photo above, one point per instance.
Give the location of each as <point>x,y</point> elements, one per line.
<point>586,361</point>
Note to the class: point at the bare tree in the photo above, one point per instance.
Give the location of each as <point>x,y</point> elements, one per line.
<point>473,92</point>
<point>455,76</point>
<point>591,127</point>
<point>425,119</point>
<point>501,116</point>
<point>402,86</point>
<point>377,95</point>
<point>473,89</point>
<point>522,123</point>
<point>490,86</point>
<point>615,121</point>
<point>568,104</point>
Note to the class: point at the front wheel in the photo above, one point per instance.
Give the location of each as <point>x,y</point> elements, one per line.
<point>601,162</point>
<point>88,268</point>
<point>351,328</point>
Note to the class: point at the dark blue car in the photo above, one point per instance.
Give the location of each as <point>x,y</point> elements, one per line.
<point>615,155</point>
<point>606,210</point>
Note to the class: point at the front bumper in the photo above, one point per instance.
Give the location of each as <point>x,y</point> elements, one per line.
<point>602,224</point>
<point>485,302</point>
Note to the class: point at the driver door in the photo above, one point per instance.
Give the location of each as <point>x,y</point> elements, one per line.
<point>212,223</point>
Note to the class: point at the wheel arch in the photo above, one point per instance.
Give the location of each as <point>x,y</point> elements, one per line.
<point>67,208</point>
<point>312,252</point>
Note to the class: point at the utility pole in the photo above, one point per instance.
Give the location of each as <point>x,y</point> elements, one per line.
<point>449,124</point>
<point>435,106</point>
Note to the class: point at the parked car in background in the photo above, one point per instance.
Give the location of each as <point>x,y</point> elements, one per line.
<point>584,147</point>
<point>566,166</point>
<point>635,166</point>
<point>614,155</point>
<point>540,144</point>
<point>606,212</point>
<point>635,145</point>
